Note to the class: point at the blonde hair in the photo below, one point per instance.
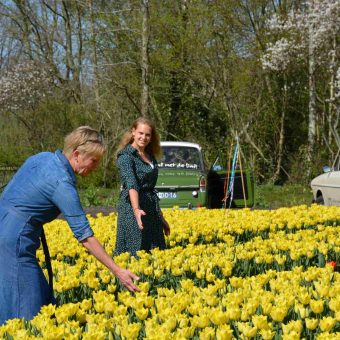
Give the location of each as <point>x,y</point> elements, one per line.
<point>85,139</point>
<point>154,147</point>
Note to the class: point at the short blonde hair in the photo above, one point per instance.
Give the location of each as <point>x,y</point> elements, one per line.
<point>86,140</point>
<point>153,147</point>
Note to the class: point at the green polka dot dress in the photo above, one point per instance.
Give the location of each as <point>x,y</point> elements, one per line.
<point>136,174</point>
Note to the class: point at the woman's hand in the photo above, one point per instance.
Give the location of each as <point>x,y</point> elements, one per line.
<point>127,278</point>
<point>166,227</point>
<point>97,250</point>
<point>138,215</point>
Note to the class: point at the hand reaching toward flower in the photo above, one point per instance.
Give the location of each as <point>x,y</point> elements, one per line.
<point>97,250</point>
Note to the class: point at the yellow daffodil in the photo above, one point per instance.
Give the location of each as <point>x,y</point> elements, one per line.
<point>224,332</point>
<point>311,324</point>
<point>317,306</point>
<point>278,313</point>
<point>200,321</point>
<point>327,323</point>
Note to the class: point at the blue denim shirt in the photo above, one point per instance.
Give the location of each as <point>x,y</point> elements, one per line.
<point>44,186</point>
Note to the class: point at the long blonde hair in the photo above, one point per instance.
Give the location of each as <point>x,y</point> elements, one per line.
<point>85,139</point>
<point>154,147</point>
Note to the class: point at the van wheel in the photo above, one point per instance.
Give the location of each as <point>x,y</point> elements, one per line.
<point>319,200</point>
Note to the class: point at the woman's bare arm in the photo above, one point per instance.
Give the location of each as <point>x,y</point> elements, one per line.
<point>97,250</point>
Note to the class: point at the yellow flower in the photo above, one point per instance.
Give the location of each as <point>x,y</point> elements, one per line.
<point>170,323</point>
<point>142,313</point>
<point>61,315</point>
<point>267,334</point>
<point>94,333</point>
<point>194,308</point>
<point>294,326</point>
<point>278,314</point>
<point>316,306</point>
<point>236,282</point>
<point>93,282</point>
<point>99,306</point>
<point>158,273</point>
<point>81,316</point>
<point>106,278</point>
<point>183,333</point>
<point>218,317</point>
<point>260,321</point>
<point>322,289</point>
<point>53,333</point>
<point>337,316</point>
<point>327,323</point>
<point>303,312</point>
<point>86,304</point>
<point>244,315</point>
<point>233,313</point>
<point>266,308</point>
<point>21,334</point>
<point>280,259</point>
<point>131,330</point>
<point>304,297</point>
<point>247,330</point>
<point>211,300</point>
<point>207,333</point>
<point>171,307</point>
<point>334,304</point>
<point>227,269</point>
<point>14,325</point>
<point>311,324</point>
<point>110,306</point>
<point>200,321</point>
<point>210,277</point>
<point>328,336</point>
<point>48,310</point>
<point>291,336</point>
<point>144,286</point>
<point>224,332</point>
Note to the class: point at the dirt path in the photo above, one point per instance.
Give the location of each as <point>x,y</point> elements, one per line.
<point>93,211</point>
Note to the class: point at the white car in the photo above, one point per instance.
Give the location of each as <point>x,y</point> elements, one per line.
<point>326,187</point>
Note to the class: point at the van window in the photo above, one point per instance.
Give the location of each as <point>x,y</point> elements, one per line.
<point>180,157</point>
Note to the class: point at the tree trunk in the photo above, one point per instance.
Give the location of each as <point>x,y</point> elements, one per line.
<point>145,59</point>
<point>312,101</point>
<point>175,105</point>
<point>94,58</point>
<point>332,107</point>
<point>282,134</point>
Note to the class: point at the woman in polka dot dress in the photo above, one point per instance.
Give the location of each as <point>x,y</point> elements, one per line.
<point>141,225</point>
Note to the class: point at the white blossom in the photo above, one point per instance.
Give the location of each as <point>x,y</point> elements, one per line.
<point>24,86</point>
<point>313,26</point>
<point>279,54</point>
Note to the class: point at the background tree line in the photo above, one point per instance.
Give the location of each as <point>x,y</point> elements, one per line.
<point>209,71</point>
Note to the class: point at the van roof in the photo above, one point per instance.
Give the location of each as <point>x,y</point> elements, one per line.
<point>185,144</point>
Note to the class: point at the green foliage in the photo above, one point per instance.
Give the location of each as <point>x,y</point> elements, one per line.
<point>266,196</point>
<point>205,78</point>
<point>94,196</point>
<point>275,196</point>
<point>90,197</point>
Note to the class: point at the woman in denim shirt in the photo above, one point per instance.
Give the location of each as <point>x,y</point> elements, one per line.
<point>42,188</point>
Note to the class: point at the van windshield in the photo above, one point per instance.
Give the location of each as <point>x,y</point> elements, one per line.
<point>180,157</point>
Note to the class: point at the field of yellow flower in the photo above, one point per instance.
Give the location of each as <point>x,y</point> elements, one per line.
<point>227,274</point>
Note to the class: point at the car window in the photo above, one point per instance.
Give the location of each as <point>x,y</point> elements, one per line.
<point>180,157</point>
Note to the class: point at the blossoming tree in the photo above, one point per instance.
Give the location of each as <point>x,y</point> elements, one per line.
<point>309,33</point>
<point>22,89</point>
